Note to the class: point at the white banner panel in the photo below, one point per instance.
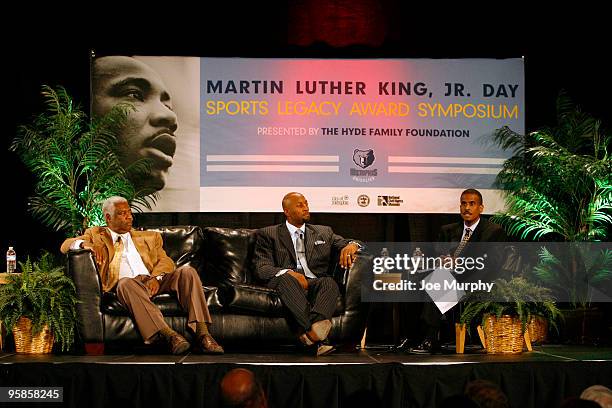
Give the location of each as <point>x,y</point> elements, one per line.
<point>408,134</point>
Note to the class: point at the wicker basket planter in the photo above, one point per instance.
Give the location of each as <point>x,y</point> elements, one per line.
<point>515,301</point>
<point>503,335</point>
<point>41,296</point>
<point>538,329</point>
<point>28,344</point>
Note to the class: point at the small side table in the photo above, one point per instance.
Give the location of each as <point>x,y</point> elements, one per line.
<point>5,275</point>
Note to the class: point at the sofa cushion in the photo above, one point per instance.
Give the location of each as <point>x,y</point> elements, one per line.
<point>182,243</point>
<point>260,300</point>
<point>227,255</point>
<point>166,302</point>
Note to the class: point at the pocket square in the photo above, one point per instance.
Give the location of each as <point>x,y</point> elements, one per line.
<point>319,242</point>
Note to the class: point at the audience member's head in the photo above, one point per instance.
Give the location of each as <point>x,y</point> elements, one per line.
<point>574,402</point>
<point>598,393</point>
<point>486,394</point>
<point>240,388</point>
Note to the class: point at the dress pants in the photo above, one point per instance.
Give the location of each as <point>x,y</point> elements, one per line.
<point>184,282</point>
<point>307,307</point>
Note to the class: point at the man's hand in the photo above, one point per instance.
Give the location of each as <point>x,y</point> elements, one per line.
<point>98,251</point>
<point>300,278</point>
<point>348,255</point>
<point>447,260</point>
<point>150,283</point>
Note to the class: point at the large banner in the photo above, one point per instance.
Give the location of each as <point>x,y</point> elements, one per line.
<point>400,135</point>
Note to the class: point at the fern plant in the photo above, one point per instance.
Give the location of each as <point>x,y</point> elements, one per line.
<point>43,294</point>
<point>76,164</point>
<point>558,188</point>
<point>558,182</point>
<point>575,271</point>
<point>515,297</point>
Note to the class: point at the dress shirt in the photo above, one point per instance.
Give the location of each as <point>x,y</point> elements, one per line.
<point>292,230</point>
<point>131,262</point>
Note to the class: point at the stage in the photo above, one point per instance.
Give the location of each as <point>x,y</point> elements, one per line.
<point>542,378</point>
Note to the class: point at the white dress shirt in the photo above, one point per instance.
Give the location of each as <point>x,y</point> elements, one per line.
<point>131,262</point>
<point>292,230</point>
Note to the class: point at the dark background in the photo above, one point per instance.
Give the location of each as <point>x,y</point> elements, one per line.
<point>563,49</point>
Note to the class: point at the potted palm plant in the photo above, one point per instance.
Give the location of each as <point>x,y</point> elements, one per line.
<point>507,311</point>
<point>76,164</point>
<point>39,306</point>
<point>558,188</point>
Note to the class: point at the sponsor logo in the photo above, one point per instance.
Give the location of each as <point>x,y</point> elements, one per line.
<point>389,201</point>
<point>363,200</point>
<point>363,159</point>
<point>340,200</point>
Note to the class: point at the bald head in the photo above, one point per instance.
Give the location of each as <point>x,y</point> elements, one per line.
<point>239,388</point>
<point>289,197</point>
<point>295,207</point>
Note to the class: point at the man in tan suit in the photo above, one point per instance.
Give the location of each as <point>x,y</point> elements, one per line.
<point>135,265</point>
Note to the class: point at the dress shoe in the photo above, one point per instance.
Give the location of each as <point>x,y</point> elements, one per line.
<point>305,340</point>
<point>324,349</point>
<point>206,344</point>
<point>319,330</point>
<point>404,345</point>
<point>178,344</point>
<point>427,346</point>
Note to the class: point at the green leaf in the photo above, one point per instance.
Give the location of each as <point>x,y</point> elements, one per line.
<point>76,163</point>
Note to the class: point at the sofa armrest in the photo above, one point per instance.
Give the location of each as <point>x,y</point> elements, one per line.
<point>84,272</point>
<point>352,281</point>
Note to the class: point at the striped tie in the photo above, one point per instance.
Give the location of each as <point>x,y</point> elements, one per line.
<point>113,267</point>
<point>463,243</point>
<point>302,266</point>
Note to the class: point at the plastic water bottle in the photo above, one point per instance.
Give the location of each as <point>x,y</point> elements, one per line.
<point>419,258</point>
<point>384,254</point>
<point>11,260</point>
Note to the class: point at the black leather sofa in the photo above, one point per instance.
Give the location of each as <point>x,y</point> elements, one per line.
<point>244,311</point>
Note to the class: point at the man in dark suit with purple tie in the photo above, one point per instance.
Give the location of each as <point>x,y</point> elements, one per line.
<point>295,258</point>
<point>461,238</point>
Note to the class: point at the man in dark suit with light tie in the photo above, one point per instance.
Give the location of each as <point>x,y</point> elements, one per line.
<point>295,259</point>
<point>459,235</point>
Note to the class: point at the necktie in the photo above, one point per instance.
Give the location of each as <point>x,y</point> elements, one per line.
<point>302,266</point>
<point>113,267</point>
<point>463,243</point>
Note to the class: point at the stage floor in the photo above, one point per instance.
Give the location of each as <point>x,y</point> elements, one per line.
<point>373,355</point>
<point>541,378</point>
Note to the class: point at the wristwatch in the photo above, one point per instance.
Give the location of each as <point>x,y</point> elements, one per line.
<point>359,246</point>
<point>160,277</point>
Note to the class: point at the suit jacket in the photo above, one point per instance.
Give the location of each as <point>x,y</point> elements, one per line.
<point>274,249</point>
<point>147,243</point>
<point>486,231</point>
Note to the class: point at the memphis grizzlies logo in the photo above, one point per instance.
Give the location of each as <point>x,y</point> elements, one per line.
<point>363,158</point>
